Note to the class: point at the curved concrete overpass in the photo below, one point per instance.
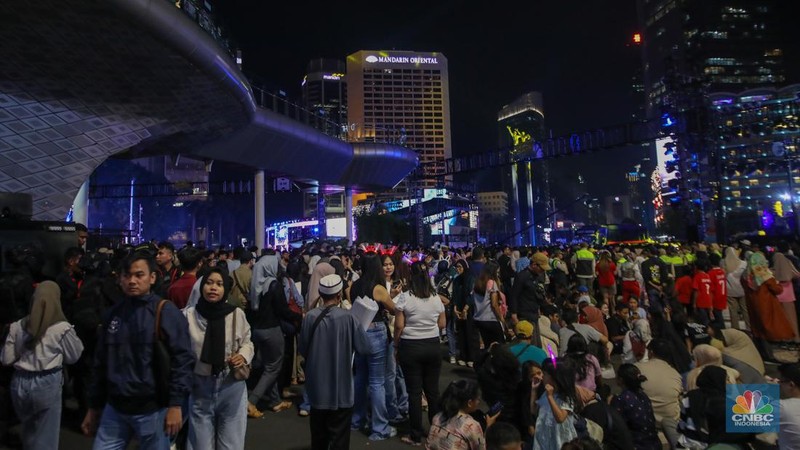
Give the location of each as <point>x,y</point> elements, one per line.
<point>83,80</point>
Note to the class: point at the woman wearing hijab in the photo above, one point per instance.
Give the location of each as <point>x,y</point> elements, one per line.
<point>706,356</point>
<point>220,337</point>
<point>38,346</point>
<point>593,317</point>
<point>703,415</point>
<point>635,342</point>
<point>321,269</point>
<point>767,317</point>
<point>265,319</point>
<point>785,272</point>
<point>734,269</point>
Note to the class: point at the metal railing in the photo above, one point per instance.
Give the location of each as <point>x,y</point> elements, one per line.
<point>195,10</point>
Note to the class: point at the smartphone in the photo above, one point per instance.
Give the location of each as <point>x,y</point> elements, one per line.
<point>496,408</point>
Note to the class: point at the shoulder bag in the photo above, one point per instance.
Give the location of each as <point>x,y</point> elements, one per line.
<point>243,372</point>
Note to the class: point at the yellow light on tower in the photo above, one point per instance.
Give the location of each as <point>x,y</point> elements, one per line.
<point>778,207</point>
<point>637,38</point>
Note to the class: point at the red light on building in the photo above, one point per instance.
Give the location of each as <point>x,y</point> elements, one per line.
<point>637,38</point>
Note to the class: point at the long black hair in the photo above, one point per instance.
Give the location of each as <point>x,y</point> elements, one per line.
<point>420,283</point>
<point>563,375</point>
<point>371,276</point>
<point>489,272</point>
<point>577,350</point>
<point>455,397</point>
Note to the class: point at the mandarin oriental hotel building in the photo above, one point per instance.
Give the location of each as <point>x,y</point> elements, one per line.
<point>401,97</point>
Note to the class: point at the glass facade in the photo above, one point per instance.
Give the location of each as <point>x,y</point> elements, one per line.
<point>756,134</point>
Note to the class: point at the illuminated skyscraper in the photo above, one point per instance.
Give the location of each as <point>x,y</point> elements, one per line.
<point>401,97</point>
<point>521,123</point>
<point>325,95</point>
<point>733,45</point>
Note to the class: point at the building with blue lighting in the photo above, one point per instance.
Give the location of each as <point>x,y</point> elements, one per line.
<point>756,137</point>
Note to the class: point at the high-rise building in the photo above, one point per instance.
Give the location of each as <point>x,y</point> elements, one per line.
<point>728,45</point>
<point>325,95</point>
<point>756,134</point>
<point>520,124</point>
<point>691,48</point>
<point>401,97</point>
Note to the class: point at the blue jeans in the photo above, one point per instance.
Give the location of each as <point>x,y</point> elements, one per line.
<point>36,397</point>
<point>369,382</point>
<point>218,413</point>
<point>452,340</point>
<point>396,393</point>
<point>117,429</point>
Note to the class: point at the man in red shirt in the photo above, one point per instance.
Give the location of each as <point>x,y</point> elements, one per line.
<point>179,291</point>
<point>719,290</point>
<point>683,289</point>
<point>701,293</point>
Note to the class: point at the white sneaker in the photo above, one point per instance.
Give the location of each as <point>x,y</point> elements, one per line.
<point>461,362</point>
<point>452,360</point>
<point>470,364</point>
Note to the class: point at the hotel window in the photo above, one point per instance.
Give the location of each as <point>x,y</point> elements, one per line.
<point>753,182</point>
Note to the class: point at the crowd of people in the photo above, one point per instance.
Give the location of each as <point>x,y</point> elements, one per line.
<point>568,347</point>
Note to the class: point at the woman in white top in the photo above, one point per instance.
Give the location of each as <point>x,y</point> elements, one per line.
<point>220,337</point>
<point>734,268</point>
<point>38,346</point>
<point>419,319</point>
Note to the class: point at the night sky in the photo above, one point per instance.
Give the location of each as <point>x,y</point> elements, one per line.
<point>578,54</point>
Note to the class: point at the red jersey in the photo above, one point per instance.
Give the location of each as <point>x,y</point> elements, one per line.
<point>719,288</point>
<point>702,286</point>
<point>683,289</point>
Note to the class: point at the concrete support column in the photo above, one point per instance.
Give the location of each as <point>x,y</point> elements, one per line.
<point>80,206</point>
<point>532,229</point>
<point>348,214</point>
<point>321,213</point>
<point>260,199</point>
<point>515,206</point>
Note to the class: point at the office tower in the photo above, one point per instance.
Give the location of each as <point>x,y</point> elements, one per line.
<point>325,95</point>
<point>692,50</point>
<point>520,124</point>
<point>729,45</point>
<point>401,97</point>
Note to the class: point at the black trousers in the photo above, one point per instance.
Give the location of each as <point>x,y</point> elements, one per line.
<point>491,331</point>
<point>468,339</point>
<point>421,361</point>
<point>330,428</point>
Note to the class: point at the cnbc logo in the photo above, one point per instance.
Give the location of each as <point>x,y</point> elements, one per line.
<point>753,410</point>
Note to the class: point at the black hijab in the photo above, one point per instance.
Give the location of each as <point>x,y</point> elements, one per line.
<point>214,312</point>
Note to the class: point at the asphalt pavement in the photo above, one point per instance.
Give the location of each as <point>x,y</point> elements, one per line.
<point>278,431</point>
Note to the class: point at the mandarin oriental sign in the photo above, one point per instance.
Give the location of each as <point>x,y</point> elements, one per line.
<point>401,59</point>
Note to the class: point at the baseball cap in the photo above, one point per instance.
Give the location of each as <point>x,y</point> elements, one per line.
<point>583,289</point>
<point>523,328</point>
<point>540,259</point>
<point>330,284</point>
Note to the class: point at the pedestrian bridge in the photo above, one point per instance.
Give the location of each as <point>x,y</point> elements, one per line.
<point>82,80</point>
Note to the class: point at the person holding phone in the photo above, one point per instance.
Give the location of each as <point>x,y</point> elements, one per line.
<point>455,428</point>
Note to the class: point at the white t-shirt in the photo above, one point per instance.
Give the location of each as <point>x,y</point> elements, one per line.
<point>422,315</point>
<point>789,434</point>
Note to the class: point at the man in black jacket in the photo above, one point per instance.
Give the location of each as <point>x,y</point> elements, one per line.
<point>124,386</point>
<point>528,294</point>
